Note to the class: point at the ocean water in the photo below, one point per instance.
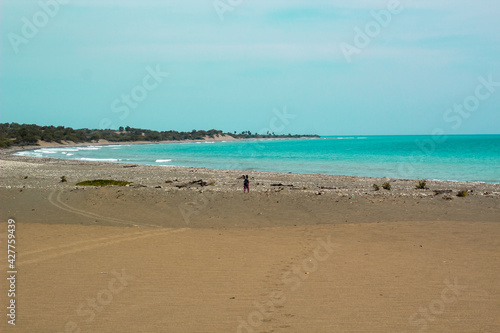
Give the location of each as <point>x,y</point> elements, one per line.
<point>455,157</point>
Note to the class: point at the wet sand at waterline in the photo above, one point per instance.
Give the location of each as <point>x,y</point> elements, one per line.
<point>317,253</point>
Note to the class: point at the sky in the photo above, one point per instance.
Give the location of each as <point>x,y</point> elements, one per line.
<point>343,67</point>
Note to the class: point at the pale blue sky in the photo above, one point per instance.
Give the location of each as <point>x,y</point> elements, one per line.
<point>264,55</point>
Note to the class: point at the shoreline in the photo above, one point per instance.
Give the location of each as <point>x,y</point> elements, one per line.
<point>43,144</point>
<point>174,197</point>
<point>11,151</point>
<point>362,185</point>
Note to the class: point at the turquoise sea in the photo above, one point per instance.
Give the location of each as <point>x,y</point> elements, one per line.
<point>453,157</point>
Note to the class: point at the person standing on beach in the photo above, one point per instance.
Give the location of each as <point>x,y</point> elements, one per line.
<point>246,184</point>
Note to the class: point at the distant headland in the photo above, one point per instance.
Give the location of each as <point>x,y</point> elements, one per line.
<point>14,134</point>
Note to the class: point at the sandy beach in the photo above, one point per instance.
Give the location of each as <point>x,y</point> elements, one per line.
<point>185,250</point>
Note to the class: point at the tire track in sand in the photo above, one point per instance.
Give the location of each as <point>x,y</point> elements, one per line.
<point>61,205</point>
<point>90,244</point>
<point>101,243</point>
<point>86,242</point>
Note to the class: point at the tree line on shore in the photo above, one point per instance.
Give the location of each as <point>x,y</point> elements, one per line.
<point>14,134</point>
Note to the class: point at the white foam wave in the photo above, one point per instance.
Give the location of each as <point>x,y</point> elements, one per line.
<point>100,159</point>
<point>58,149</point>
<point>44,151</point>
<point>161,161</point>
<point>88,148</point>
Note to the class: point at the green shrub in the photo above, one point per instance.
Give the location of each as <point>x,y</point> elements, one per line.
<point>462,193</point>
<point>103,182</point>
<point>421,185</point>
<point>63,179</point>
<point>386,186</point>
<point>4,143</point>
<point>376,187</point>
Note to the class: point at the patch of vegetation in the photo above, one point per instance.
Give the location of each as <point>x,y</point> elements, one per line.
<point>421,185</point>
<point>386,186</point>
<point>63,179</point>
<point>462,193</point>
<point>4,142</point>
<point>24,134</point>
<point>103,182</point>
<point>376,187</point>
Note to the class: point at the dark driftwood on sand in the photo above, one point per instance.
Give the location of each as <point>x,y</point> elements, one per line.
<point>194,182</point>
<point>437,192</point>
